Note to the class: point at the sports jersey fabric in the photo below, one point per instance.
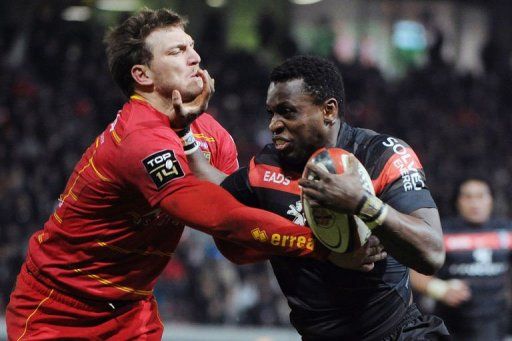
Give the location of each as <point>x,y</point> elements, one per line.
<point>480,255</point>
<point>107,236</point>
<point>329,302</point>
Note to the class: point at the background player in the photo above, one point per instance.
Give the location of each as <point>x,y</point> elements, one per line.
<point>93,267</point>
<point>471,289</point>
<point>305,103</point>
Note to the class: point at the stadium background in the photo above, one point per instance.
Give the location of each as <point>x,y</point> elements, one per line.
<point>435,73</point>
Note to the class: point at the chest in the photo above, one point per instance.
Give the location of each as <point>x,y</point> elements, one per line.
<point>278,192</point>
<point>481,254</point>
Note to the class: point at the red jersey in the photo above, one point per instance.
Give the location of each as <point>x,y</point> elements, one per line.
<point>108,239</point>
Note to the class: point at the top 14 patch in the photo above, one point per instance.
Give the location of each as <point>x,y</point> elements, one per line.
<point>163,167</point>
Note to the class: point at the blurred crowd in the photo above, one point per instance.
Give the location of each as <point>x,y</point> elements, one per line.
<point>56,95</point>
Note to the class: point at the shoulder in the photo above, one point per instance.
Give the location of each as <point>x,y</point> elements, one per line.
<point>141,140</point>
<point>382,146</point>
<point>385,151</point>
<point>371,147</point>
<point>138,119</point>
<point>207,123</point>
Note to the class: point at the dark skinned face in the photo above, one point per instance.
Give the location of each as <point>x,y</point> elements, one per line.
<point>298,126</point>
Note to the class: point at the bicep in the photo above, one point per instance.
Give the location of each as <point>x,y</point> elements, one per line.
<point>431,217</point>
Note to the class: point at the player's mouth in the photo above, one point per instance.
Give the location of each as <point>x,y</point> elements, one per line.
<point>281,144</point>
<point>195,74</point>
<point>196,78</point>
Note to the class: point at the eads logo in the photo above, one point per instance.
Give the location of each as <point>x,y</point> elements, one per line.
<point>162,167</point>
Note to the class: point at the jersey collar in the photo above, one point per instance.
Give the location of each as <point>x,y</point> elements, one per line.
<point>344,136</point>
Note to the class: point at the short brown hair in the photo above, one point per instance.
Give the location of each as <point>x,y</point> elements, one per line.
<point>126,43</point>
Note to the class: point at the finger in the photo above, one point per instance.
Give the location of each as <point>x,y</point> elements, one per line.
<point>372,241</point>
<point>206,83</point>
<point>367,267</point>
<point>211,81</point>
<point>374,250</point>
<point>321,173</point>
<point>313,203</point>
<point>305,183</point>
<point>376,258</point>
<point>312,195</point>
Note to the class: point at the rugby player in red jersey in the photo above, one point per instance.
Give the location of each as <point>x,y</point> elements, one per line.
<point>305,102</point>
<point>90,272</point>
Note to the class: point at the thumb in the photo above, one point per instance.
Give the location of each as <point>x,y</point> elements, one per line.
<point>176,100</point>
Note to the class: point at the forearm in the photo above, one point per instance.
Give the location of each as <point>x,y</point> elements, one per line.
<point>419,282</point>
<point>203,169</point>
<point>211,209</point>
<point>196,160</point>
<point>240,254</point>
<point>414,240</point>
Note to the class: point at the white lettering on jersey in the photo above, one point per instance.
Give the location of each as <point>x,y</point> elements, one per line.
<point>276,178</point>
<point>411,178</point>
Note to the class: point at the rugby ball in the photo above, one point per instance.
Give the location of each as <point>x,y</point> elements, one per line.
<point>340,232</point>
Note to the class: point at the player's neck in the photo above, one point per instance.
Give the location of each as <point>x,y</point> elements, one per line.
<point>163,105</point>
<point>333,134</point>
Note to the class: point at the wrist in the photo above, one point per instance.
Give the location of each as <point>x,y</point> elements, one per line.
<point>372,210</point>
<point>437,288</point>
<point>190,145</point>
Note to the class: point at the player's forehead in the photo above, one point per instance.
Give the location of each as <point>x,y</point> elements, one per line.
<point>474,187</point>
<point>168,37</point>
<point>291,91</point>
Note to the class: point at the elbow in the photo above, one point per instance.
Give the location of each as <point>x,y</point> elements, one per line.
<point>433,261</point>
<point>237,260</point>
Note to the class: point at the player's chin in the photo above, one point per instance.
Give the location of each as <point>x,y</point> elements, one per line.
<point>190,93</point>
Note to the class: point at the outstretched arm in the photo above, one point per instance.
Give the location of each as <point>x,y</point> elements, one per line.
<point>211,209</point>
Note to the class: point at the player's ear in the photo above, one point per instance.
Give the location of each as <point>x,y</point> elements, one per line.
<point>330,111</point>
<point>142,75</point>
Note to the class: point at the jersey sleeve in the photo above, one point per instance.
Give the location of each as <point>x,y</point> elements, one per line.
<point>238,185</point>
<point>211,209</point>
<point>398,176</point>
<point>154,163</point>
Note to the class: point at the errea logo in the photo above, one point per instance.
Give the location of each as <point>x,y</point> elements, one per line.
<point>259,235</point>
<point>163,167</point>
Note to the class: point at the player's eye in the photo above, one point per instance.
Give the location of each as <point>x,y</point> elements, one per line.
<point>287,112</point>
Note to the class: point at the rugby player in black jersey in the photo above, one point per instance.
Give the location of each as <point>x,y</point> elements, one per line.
<point>305,102</point>
<point>472,287</point>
